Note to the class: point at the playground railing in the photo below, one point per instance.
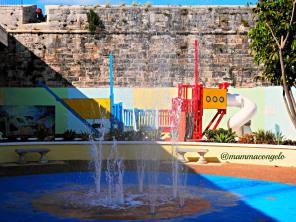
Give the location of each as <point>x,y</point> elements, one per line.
<point>128,117</point>
<point>146,118</point>
<point>134,119</point>
<point>117,115</point>
<point>164,118</point>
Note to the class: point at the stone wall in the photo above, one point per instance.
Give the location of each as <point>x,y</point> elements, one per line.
<point>151,47</point>
<point>13,16</point>
<point>3,36</point>
<point>199,19</point>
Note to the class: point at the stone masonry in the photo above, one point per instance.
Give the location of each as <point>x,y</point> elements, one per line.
<point>152,47</point>
<point>3,36</point>
<point>13,16</point>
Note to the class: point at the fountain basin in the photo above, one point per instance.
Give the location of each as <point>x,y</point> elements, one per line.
<point>220,198</point>
<point>77,197</point>
<point>80,150</point>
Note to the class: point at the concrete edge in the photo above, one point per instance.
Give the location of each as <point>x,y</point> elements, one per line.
<point>205,144</point>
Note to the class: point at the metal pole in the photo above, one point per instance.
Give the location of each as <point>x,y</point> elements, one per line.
<point>111,90</point>
<point>196,62</point>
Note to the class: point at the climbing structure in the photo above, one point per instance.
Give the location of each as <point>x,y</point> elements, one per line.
<point>193,99</point>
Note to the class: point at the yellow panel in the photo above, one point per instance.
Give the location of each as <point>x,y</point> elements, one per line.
<point>90,108</point>
<point>105,107</point>
<point>214,98</point>
<point>154,98</point>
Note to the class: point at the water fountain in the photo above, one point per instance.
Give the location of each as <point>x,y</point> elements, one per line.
<point>96,153</point>
<point>113,197</point>
<point>114,176</point>
<point>179,171</point>
<point>153,183</point>
<point>147,197</point>
<point>141,167</point>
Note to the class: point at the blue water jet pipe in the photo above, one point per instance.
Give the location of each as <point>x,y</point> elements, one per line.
<point>114,108</point>
<point>111,90</point>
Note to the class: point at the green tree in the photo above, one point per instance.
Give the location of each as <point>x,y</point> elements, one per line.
<point>94,21</point>
<point>273,44</point>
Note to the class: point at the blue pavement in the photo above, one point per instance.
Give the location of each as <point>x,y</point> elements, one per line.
<point>258,200</point>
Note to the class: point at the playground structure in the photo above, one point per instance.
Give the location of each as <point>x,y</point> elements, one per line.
<point>189,106</point>
<point>192,109</point>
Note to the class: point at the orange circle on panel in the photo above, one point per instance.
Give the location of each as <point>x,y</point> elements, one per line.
<point>214,98</point>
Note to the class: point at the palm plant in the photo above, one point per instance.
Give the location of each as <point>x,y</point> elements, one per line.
<point>69,135</point>
<point>265,137</point>
<point>221,135</point>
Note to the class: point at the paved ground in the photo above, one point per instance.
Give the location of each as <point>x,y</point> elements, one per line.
<point>231,199</point>
<point>260,172</point>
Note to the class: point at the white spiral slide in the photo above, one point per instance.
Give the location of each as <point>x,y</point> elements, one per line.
<point>239,122</point>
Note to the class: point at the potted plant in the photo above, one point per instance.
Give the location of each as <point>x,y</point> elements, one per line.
<point>69,135</point>
<point>41,134</point>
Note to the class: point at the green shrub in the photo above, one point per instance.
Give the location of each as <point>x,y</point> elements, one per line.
<point>108,5</point>
<point>248,138</point>
<point>69,135</point>
<point>279,137</point>
<point>135,4</point>
<point>41,134</point>
<point>289,142</point>
<point>148,5</point>
<point>84,135</point>
<point>143,134</point>
<point>210,135</point>
<point>265,137</point>
<point>94,21</point>
<point>117,133</point>
<point>221,135</point>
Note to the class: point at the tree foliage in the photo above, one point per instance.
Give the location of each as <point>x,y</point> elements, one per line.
<point>277,14</point>
<point>94,21</point>
<point>273,44</point>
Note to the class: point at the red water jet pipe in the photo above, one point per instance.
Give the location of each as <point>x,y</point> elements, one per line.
<point>196,62</point>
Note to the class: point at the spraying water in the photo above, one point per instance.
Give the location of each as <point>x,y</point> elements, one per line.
<point>174,132</point>
<point>179,171</point>
<point>141,165</point>
<point>114,175</point>
<point>182,188</point>
<point>96,153</point>
<point>97,159</point>
<point>148,164</point>
<point>153,186</point>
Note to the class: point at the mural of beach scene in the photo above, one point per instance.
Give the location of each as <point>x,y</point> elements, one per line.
<point>25,121</point>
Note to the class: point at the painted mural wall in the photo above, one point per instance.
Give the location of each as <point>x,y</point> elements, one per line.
<point>271,113</point>
<point>27,121</point>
